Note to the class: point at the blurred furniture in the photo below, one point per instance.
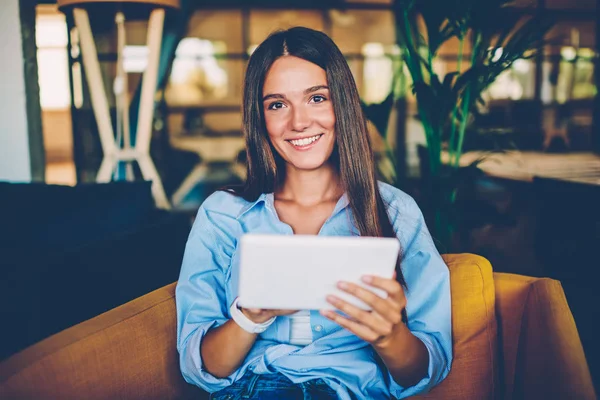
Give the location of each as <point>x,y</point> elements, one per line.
<point>514,337</point>
<point>212,150</point>
<point>567,238</point>
<point>219,149</point>
<point>118,148</point>
<point>68,254</point>
<point>508,124</point>
<point>568,228</point>
<point>525,165</point>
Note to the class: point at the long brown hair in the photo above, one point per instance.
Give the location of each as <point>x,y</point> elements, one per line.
<point>352,156</point>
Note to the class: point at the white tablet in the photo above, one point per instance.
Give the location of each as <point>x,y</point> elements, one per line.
<point>297,272</point>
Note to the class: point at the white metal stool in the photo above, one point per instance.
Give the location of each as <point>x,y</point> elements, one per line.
<point>111,146</point>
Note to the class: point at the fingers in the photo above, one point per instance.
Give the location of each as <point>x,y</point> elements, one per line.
<point>381,321</point>
<point>390,286</point>
<point>360,330</point>
<point>389,309</point>
<point>370,319</point>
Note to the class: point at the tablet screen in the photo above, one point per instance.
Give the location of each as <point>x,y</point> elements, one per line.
<point>297,272</point>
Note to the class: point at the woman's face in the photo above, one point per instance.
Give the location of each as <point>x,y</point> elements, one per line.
<point>298,112</point>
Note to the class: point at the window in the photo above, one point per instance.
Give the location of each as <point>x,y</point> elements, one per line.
<point>53,64</point>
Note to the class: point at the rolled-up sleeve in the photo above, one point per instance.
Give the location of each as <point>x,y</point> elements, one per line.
<point>428,295</point>
<point>201,298</point>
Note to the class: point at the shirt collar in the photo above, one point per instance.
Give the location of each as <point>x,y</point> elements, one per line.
<point>261,199</point>
<point>342,203</point>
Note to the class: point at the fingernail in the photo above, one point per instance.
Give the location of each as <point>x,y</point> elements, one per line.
<point>343,285</point>
<point>367,278</point>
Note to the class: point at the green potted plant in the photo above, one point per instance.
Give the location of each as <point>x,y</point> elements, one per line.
<point>498,36</point>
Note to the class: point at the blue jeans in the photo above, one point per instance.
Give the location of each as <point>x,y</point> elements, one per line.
<point>274,387</point>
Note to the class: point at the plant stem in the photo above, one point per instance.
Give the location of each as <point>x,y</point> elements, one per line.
<point>463,126</point>
<point>414,67</point>
<point>455,110</point>
<point>466,104</point>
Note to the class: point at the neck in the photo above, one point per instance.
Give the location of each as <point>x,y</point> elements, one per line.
<point>311,187</point>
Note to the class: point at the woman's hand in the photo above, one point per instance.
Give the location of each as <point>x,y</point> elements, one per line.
<point>378,326</point>
<point>258,316</point>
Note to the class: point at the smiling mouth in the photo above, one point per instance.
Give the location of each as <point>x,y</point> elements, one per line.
<point>305,142</point>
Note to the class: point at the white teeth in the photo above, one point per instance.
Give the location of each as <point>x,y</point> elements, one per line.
<point>305,141</point>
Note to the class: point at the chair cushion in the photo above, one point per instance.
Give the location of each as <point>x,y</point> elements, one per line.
<point>475,371</point>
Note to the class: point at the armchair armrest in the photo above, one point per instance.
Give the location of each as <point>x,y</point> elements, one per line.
<point>126,353</point>
<point>543,355</point>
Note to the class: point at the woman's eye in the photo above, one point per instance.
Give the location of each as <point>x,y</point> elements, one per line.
<point>275,106</point>
<point>318,99</point>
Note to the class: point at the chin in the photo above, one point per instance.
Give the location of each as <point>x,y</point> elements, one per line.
<point>308,165</point>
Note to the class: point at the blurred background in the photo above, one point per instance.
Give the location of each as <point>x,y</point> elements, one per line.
<point>512,171</point>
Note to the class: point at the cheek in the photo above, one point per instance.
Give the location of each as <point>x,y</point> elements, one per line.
<point>275,125</point>
<point>326,118</point>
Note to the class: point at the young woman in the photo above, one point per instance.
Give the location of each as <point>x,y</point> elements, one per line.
<point>310,171</point>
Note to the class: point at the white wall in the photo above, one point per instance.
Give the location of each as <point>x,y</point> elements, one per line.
<point>14,143</point>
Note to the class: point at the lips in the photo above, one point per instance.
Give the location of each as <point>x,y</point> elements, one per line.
<point>306,141</point>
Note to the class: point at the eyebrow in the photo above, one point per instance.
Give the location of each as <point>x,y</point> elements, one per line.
<point>307,91</point>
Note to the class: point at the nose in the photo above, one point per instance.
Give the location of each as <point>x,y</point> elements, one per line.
<point>300,119</point>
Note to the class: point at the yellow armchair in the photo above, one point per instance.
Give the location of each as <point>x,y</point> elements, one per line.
<point>514,337</point>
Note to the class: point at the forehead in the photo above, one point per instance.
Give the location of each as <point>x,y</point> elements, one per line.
<point>290,74</point>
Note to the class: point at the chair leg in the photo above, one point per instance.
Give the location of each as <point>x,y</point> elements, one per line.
<point>193,178</point>
<point>150,173</point>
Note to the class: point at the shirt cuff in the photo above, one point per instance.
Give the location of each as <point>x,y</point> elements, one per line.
<point>438,369</point>
<point>191,365</point>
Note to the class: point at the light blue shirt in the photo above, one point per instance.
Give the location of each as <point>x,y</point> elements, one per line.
<point>208,285</point>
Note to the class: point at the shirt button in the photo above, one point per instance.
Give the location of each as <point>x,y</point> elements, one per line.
<point>318,328</point>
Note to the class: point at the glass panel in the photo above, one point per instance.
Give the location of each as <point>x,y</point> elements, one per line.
<point>576,75</point>
<point>53,71</point>
<point>517,83</point>
<point>377,73</point>
<point>264,22</point>
<point>218,26</point>
<point>204,79</point>
<point>351,29</point>
<point>53,68</point>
